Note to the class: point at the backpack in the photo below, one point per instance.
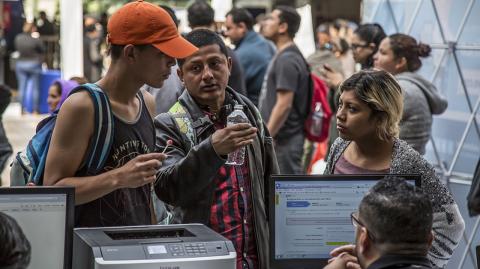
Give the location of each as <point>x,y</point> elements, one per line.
<point>28,165</point>
<point>318,94</point>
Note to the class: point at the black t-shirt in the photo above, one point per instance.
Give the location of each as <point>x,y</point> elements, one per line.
<point>128,206</point>
<point>287,71</point>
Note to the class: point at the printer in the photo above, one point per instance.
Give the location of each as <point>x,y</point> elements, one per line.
<point>182,246</point>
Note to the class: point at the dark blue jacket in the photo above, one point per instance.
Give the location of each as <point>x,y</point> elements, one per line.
<point>254,53</point>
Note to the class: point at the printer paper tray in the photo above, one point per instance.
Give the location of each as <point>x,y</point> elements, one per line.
<point>215,262</point>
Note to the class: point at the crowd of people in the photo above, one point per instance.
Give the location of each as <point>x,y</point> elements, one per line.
<point>171,95</point>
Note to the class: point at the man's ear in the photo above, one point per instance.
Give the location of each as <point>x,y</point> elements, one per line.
<point>129,52</point>
<point>363,242</point>
<point>283,28</point>
<point>229,63</point>
<point>180,73</point>
<point>243,26</point>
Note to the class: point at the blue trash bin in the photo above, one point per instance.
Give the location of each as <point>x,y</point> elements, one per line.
<point>47,77</point>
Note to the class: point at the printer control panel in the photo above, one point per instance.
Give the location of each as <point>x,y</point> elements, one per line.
<point>186,250</point>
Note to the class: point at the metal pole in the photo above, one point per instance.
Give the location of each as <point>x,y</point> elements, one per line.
<point>464,20</point>
<point>437,156</point>
<point>393,16</point>
<point>437,68</point>
<point>464,86</point>
<point>464,136</point>
<point>469,243</point>
<point>438,21</point>
<point>414,16</point>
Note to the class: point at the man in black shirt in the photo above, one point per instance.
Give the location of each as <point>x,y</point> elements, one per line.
<point>393,229</point>
<point>285,93</point>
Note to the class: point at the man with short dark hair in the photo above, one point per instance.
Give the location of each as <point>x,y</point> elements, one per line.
<point>253,51</point>
<point>393,229</point>
<point>201,16</point>
<point>144,43</point>
<point>44,26</point>
<point>284,100</point>
<point>15,249</point>
<point>230,199</point>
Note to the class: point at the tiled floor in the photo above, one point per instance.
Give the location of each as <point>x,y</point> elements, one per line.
<point>19,129</point>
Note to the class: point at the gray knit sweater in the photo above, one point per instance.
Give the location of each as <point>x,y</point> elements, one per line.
<point>448,224</point>
<point>421,100</point>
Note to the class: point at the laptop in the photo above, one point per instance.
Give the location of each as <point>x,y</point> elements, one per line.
<point>310,215</point>
<point>46,216</point>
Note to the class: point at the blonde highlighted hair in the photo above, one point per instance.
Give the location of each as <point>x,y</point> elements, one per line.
<point>382,93</point>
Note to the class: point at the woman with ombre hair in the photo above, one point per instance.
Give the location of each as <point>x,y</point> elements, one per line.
<point>370,109</point>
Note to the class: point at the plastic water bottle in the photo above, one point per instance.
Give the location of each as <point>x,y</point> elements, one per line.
<point>237,116</point>
<point>317,120</point>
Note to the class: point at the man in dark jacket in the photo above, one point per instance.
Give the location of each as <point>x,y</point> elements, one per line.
<point>393,229</point>
<point>195,180</point>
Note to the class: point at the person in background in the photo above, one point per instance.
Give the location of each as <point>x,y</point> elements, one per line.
<point>43,25</point>
<point>252,50</point>
<point>400,55</point>
<point>15,250</point>
<point>201,16</point>
<point>6,149</point>
<point>365,42</point>
<point>29,64</point>
<point>344,54</point>
<point>368,116</point>
<point>285,94</point>
<point>324,54</point>
<point>393,229</point>
<point>58,93</point>
<point>92,57</point>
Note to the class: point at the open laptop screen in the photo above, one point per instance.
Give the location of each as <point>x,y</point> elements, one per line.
<point>45,215</point>
<point>311,216</point>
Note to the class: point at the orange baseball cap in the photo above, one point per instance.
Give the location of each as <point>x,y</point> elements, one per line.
<point>142,23</point>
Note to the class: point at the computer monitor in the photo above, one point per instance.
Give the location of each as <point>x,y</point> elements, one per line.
<point>46,216</point>
<point>310,216</point>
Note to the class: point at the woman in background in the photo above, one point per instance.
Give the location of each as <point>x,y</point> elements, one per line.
<point>29,64</point>
<point>399,54</point>
<point>58,93</point>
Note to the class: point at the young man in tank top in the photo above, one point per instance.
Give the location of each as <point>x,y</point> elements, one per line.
<point>143,43</point>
